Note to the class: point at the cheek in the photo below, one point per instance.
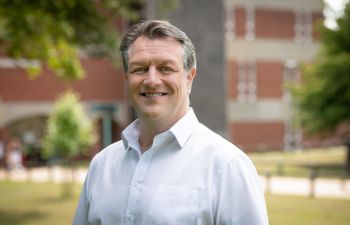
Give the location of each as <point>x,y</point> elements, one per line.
<point>182,87</point>
<point>187,85</point>
<point>133,85</point>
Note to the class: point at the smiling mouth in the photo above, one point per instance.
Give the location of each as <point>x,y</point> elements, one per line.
<point>153,94</point>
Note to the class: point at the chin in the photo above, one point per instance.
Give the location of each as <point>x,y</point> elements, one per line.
<point>150,115</point>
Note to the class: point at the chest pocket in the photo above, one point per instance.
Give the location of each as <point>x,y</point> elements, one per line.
<point>173,205</point>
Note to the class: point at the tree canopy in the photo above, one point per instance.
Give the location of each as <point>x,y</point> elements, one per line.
<point>323,98</point>
<point>56,32</point>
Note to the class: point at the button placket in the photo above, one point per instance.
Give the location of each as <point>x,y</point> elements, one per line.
<point>135,186</point>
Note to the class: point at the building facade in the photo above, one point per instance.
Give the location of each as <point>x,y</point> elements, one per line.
<point>247,51</point>
<point>266,41</point>
<point>25,104</point>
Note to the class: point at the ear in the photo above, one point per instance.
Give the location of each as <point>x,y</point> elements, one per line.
<point>190,76</point>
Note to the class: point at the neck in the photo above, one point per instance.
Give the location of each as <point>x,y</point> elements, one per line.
<point>149,129</point>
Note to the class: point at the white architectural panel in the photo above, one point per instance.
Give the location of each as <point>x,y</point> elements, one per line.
<point>10,112</point>
<point>315,5</point>
<point>270,49</point>
<point>260,111</point>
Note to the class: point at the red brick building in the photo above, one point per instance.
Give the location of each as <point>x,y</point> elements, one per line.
<point>25,104</point>
<point>265,41</point>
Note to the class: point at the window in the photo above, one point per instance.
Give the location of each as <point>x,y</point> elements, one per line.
<point>246,85</point>
<point>292,133</point>
<point>250,23</point>
<point>229,22</point>
<point>303,27</point>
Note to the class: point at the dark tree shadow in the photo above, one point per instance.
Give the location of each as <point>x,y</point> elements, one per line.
<point>52,199</point>
<point>10,217</point>
<point>336,170</point>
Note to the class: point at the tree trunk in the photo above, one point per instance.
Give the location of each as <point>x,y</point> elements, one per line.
<point>68,180</point>
<point>347,162</point>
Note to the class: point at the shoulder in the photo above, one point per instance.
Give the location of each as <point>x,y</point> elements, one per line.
<point>108,154</point>
<point>208,139</point>
<point>222,151</point>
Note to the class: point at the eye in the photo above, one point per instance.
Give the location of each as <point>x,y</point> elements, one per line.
<point>166,69</point>
<point>139,70</point>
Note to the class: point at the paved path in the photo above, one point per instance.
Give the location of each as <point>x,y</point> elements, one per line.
<point>334,188</point>
<point>54,174</point>
<point>321,187</point>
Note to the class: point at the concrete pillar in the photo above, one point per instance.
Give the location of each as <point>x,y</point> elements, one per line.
<point>203,22</point>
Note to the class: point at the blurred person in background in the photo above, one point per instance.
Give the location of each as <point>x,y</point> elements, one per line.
<point>14,155</point>
<point>2,154</point>
<point>168,168</point>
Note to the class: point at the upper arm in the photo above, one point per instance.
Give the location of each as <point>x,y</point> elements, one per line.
<point>82,211</point>
<point>240,198</point>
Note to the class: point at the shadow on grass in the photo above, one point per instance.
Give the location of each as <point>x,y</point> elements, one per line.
<point>326,169</point>
<point>55,200</point>
<point>12,217</point>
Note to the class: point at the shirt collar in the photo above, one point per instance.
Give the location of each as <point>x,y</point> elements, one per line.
<point>130,136</point>
<point>181,130</point>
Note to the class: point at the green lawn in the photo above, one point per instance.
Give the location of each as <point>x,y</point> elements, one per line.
<point>292,210</point>
<point>328,162</point>
<point>39,204</point>
<point>35,204</point>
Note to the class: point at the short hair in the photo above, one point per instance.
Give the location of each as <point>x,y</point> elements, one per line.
<point>158,29</point>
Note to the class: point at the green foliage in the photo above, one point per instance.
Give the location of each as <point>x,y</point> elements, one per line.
<point>323,99</point>
<point>165,6</point>
<point>53,32</point>
<point>69,131</point>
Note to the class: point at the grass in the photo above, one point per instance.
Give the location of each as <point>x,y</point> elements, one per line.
<point>326,162</point>
<point>35,204</point>
<point>39,204</point>
<point>290,210</point>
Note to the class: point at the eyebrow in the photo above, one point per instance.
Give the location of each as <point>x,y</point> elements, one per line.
<point>136,64</point>
<point>159,62</point>
<point>166,62</point>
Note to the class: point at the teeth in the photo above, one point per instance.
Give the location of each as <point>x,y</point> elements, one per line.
<point>153,94</point>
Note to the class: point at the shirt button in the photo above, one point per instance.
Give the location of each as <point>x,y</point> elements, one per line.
<point>137,183</point>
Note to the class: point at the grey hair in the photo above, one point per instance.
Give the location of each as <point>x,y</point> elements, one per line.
<point>158,29</point>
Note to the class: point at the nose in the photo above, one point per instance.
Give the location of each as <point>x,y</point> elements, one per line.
<point>152,77</point>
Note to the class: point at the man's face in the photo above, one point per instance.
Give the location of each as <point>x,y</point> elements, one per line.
<point>158,85</point>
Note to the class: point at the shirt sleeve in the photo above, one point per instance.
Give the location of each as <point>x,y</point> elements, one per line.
<point>82,211</point>
<point>240,198</point>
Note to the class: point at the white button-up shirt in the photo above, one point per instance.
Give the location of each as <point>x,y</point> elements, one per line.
<point>190,175</point>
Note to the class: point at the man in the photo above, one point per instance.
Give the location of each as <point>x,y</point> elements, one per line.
<point>168,168</point>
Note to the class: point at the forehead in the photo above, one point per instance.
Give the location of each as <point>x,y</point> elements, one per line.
<point>144,48</point>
